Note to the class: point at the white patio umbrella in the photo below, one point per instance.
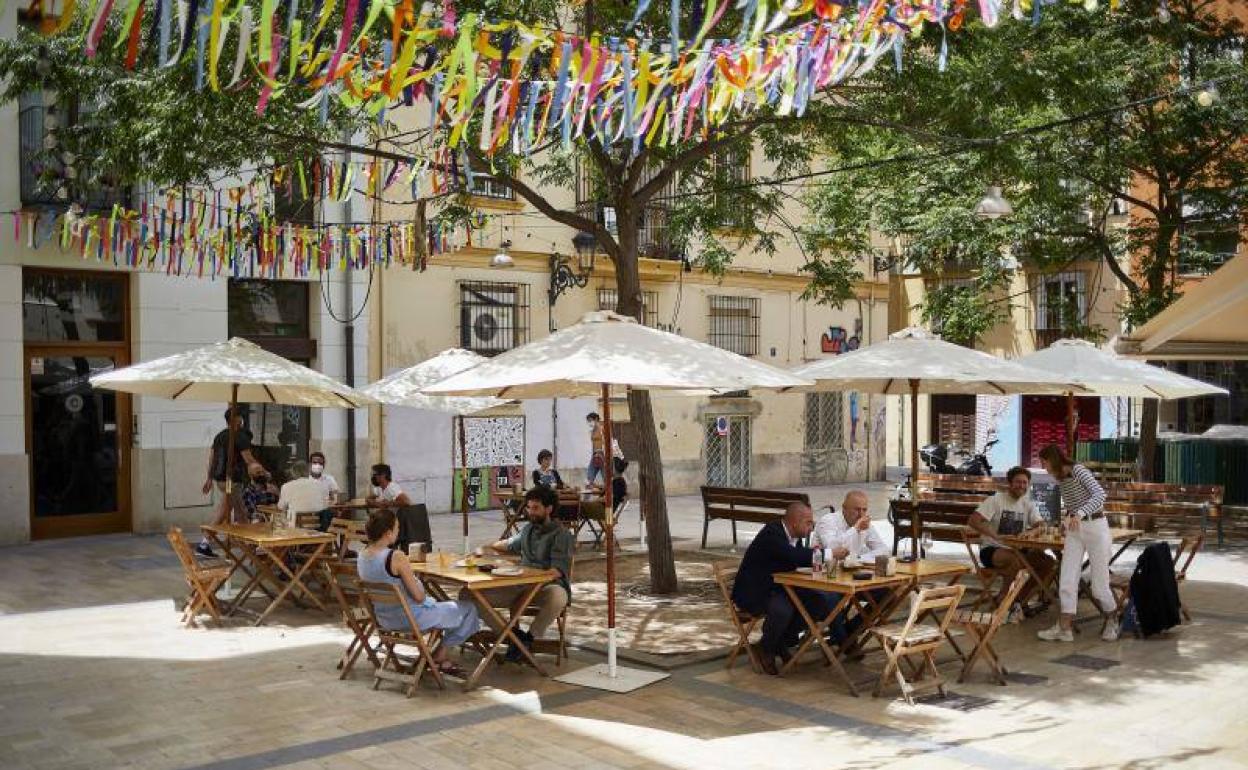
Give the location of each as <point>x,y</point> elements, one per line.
<point>403,388</point>
<point>608,353</point>
<point>1102,373</point>
<point>912,361</point>
<point>232,371</point>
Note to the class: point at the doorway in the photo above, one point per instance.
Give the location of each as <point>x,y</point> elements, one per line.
<point>78,437</point>
<point>728,451</point>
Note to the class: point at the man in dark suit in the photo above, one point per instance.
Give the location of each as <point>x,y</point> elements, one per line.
<point>778,547</point>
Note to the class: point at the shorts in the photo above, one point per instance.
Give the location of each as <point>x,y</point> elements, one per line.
<point>986,553</point>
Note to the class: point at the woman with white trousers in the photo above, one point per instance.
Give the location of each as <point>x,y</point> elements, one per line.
<point>1087,532</point>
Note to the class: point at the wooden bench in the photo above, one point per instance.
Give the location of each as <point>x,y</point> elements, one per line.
<point>1166,508</point>
<point>949,483</point>
<point>944,520</point>
<point>756,506</point>
<point>1111,472</point>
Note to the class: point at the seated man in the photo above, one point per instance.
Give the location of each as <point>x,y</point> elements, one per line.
<point>849,533</point>
<point>328,484</point>
<point>542,543</point>
<point>386,494</point>
<point>777,548</point>
<point>303,494</point>
<point>1011,512</point>
<point>259,490</point>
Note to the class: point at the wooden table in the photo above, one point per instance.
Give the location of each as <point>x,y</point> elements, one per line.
<point>356,504</point>
<point>256,549</point>
<point>476,583</point>
<point>1054,540</point>
<point>839,582</point>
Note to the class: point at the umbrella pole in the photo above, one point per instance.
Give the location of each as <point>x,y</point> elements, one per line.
<point>463,489</point>
<point>1070,423</point>
<point>914,456</point>
<point>609,526</point>
<point>229,457</point>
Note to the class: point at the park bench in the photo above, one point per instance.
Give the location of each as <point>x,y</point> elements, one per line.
<point>756,506</point>
<point>1107,471</point>
<point>1166,508</point>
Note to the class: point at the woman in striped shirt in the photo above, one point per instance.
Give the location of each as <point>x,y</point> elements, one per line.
<point>1087,532</point>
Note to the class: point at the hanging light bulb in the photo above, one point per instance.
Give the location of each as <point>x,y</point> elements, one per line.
<point>1208,94</point>
<point>1090,5</point>
<point>993,205</point>
<point>1163,12</point>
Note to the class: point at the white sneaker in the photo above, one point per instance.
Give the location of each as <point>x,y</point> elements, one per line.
<point>1110,634</point>
<point>1056,634</point>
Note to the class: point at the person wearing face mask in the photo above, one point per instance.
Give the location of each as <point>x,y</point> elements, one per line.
<point>386,494</point>
<point>302,494</point>
<point>328,485</point>
<point>260,489</point>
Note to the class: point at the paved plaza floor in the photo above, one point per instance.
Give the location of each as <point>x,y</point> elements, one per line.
<point>95,672</point>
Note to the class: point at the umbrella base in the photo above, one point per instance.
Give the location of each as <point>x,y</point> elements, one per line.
<point>625,679</point>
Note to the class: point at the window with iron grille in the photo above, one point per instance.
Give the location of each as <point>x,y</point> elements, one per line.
<point>608,299</point>
<point>482,185</point>
<point>1060,301</point>
<point>493,317</point>
<point>734,324</point>
<point>824,459</point>
<point>44,175</point>
<point>728,449</point>
<point>731,169</point>
<point>1212,235</point>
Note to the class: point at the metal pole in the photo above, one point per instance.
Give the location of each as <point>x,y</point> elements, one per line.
<point>914,453</point>
<point>1070,423</point>
<point>463,490</point>
<point>609,526</point>
<point>229,456</point>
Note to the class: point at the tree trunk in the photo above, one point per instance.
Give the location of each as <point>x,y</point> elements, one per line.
<point>653,497</point>
<point>1148,439</point>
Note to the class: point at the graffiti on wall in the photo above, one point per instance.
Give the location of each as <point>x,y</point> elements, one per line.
<point>857,464</point>
<point>836,340</point>
<point>878,434</point>
<point>854,417</point>
<point>492,442</point>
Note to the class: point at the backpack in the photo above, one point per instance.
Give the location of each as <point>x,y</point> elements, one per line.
<point>1154,591</point>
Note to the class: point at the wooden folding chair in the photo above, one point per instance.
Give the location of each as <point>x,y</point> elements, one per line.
<point>348,532</point>
<point>344,584</point>
<point>1189,546</point>
<point>202,578</point>
<point>560,646</point>
<point>982,627</point>
<point>744,622</point>
<point>900,641</point>
<point>395,668</point>
<point>986,574</point>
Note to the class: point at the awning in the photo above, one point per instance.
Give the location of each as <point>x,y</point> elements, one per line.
<point>1209,322</point>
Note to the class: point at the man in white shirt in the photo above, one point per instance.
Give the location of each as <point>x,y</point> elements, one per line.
<point>329,485</point>
<point>1011,512</point>
<point>301,495</point>
<point>386,494</point>
<point>849,533</point>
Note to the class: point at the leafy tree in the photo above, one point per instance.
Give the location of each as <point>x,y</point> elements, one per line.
<point>1070,116</point>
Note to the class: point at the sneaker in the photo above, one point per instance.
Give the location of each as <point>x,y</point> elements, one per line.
<point>1110,632</point>
<point>1056,634</point>
<point>205,550</point>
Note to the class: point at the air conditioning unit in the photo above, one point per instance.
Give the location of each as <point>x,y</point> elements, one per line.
<point>488,318</point>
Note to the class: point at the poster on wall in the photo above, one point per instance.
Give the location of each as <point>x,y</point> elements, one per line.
<point>485,486</point>
<point>491,441</point>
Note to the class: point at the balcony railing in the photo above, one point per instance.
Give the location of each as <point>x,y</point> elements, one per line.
<point>35,190</point>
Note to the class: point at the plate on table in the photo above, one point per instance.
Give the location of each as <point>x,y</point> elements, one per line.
<point>806,570</point>
<point>508,571</point>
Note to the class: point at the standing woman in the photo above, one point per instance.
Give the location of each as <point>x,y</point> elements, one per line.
<point>381,563</point>
<point>1087,532</point>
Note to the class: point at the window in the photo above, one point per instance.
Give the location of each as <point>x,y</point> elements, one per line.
<point>727,446</point>
<point>263,308</point>
<point>493,317</point>
<point>45,175</point>
<point>734,324</point>
<point>276,316</point>
<point>482,185</point>
<point>951,289</point>
<point>731,168</point>
<point>609,298</point>
<point>73,307</point>
<point>1061,306</point>
<point>1212,234</point>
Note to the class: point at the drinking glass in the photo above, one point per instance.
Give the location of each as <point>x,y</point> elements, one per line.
<point>927,543</point>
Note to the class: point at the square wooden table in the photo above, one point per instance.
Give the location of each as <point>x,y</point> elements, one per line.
<point>841,582</point>
<point>476,582</point>
<point>1054,539</point>
<point>259,551</point>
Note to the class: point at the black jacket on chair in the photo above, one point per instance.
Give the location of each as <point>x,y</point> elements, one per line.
<point>768,554</point>
<point>1154,590</point>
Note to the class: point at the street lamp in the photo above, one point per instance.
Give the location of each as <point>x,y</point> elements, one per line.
<point>586,246</point>
<point>993,205</point>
